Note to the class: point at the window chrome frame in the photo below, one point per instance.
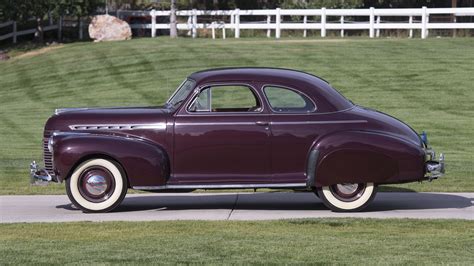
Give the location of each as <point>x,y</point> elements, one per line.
<point>199,89</point>
<point>180,85</point>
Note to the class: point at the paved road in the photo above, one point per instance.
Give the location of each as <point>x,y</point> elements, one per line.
<point>236,206</point>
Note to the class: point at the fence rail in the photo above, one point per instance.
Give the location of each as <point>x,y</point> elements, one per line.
<point>418,19</point>
<point>15,33</point>
<point>273,22</point>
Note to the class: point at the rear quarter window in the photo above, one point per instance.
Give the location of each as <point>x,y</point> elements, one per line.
<point>284,100</point>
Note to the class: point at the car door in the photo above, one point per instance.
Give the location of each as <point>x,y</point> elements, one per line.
<point>292,132</point>
<point>221,136</point>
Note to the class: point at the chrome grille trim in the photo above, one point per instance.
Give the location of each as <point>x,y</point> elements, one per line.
<point>47,156</point>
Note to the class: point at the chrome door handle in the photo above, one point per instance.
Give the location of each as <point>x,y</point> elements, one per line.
<point>262,123</point>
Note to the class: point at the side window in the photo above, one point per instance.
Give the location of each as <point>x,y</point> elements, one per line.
<point>284,100</point>
<point>226,98</point>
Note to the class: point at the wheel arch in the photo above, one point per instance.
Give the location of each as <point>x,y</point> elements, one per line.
<point>361,157</point>
<point>98,156</point>
<point>144,163</point>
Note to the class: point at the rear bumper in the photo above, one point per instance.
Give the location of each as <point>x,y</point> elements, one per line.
<point>434,169</point>
<point>40,176</point>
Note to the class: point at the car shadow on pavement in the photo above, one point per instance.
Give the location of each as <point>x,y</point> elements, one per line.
<point>418,201</point>
<point>284,201</point>
<point>257,201</point>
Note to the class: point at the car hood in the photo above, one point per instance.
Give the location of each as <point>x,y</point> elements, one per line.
<point>65,119</point>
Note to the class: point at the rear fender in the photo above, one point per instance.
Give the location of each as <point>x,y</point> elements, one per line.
<point>145,163</point>
<point>362,156</point>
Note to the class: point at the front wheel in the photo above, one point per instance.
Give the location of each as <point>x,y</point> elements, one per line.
<point>97,185</point>
<point>347,197</point>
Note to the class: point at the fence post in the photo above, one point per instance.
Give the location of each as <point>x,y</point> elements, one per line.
<point>305,20</point>
<point>190,19</point>
<point>342,26</point>
<point>423,22</point>
<point>223,31</point>
<point>194,32</point>
<point>377,32</point>
<point>323,22</point>
<point>371,22</point>
<point>278,22</point>
<point>269,31</point>
<point>50,18</point>
<point>237,23</point>
<point>410,21</point>
<point>153,23</point>
<point>427,22</point>
<point>60,28</point>
<point>14,31</point>
<point>213,30</point>
<point>80,26</point>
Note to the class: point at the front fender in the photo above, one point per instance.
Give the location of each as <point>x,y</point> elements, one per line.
<point>362,156</point>
<point>145,163</point>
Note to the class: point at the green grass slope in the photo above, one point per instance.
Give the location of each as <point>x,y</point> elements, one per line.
<point>321,241</point>
<point>426,83</point>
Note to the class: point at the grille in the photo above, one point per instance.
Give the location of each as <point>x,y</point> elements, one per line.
<point>47,156</point>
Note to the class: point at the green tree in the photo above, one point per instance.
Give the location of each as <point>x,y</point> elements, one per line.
<point>38,10</point>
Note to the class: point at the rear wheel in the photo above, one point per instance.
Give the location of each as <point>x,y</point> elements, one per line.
<point>347,196</point>
<point>97,185</point>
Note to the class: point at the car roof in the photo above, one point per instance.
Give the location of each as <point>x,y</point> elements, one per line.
<point>255,74</point>
<point>319,90</point>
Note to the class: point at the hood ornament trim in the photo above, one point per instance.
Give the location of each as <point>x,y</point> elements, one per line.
<point>63,110</point>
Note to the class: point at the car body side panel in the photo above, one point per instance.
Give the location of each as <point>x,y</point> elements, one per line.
<point>364,156</point>
<point>145,164</point>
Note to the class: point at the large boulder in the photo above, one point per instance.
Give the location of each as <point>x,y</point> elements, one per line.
<point>109,28</point>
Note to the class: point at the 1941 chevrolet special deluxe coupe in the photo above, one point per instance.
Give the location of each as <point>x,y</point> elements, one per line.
<point>235,128</point>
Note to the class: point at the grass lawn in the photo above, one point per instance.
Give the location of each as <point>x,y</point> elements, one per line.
<point>323,241</point>
<point>426,83</point>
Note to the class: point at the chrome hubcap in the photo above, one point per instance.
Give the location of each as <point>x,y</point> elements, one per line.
<point>347,188</point>
<point>348,192</point>
<point>96,185</point>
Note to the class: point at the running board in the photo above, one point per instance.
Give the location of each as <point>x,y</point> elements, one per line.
<point>223,186</point>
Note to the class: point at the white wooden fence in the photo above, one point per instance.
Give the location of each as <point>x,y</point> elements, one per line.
<point>323,20</point>
<point>327,19</point>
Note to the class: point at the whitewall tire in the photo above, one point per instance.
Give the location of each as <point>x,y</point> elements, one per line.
<point>97,185</point>
<point>347,197</point>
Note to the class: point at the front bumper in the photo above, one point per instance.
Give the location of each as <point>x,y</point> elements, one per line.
<point>434,168</point>
<point>40,176</point>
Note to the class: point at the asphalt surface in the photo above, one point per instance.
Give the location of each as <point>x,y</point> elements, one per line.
<point>236,206</point>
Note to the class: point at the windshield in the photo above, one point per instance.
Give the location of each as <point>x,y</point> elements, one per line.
<point>181,93</point>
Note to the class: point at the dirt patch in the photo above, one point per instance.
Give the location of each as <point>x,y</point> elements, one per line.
<point>39,51</point>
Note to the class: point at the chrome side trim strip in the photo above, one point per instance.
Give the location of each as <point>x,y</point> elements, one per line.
<point>319,122</point>
<point>223,186</point>
<point>158,126</point>
<point>215,123</point>
<point>272,123</point>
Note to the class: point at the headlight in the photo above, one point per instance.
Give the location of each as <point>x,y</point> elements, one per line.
<point>50,144</point>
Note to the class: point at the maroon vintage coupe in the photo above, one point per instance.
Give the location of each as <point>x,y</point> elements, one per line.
<point>235,128</point>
